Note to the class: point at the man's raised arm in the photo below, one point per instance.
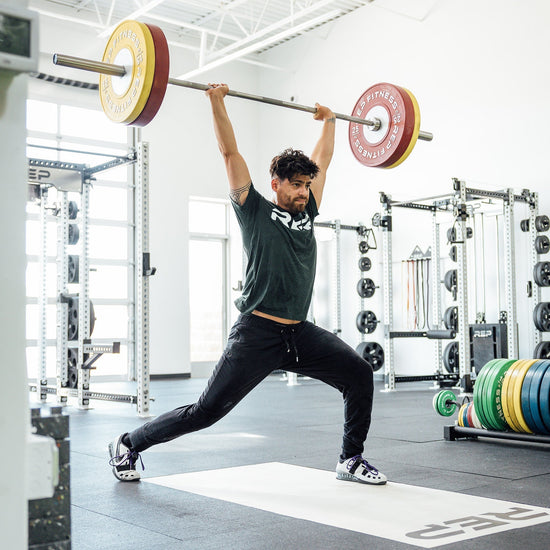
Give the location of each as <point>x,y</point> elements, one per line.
<point>235,166</point>
<point>322,153</point>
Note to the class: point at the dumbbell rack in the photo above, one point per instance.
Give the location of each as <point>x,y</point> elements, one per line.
<point>456,202</point>
<point>70,177</point>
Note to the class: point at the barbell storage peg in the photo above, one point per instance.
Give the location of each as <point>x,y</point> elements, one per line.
<point>134,77</point>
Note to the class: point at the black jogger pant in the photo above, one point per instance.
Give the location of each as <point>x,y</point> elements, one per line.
<point>257,346</point>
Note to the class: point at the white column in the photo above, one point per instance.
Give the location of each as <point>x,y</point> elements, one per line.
<point>14,405</point>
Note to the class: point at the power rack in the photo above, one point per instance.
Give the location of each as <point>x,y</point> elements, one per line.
<point>77,178</point>
<point>459,205</point>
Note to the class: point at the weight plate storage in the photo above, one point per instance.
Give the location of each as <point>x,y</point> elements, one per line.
<point>542,350</point>
<point>450,357</point>
<point>373,353</point>
<point>366,322</point>
<point>365,288</point>
<point>542,244</point>
<point>541,316</point>
<point>365,263</point>
<point>450,280</point>
<point>541,273</point>
<point>453,254</point>
<point>542,223</point>
<point>450,318</point>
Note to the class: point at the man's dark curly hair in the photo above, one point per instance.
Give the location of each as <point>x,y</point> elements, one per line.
<point>292,162</point>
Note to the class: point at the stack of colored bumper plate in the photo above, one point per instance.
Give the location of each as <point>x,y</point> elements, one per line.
<point>513,394</point>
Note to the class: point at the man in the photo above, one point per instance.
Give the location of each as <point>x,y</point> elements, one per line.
<point>271,332</point>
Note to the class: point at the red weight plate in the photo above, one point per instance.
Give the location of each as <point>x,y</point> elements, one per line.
<point>393,106</point>
<point>469,415</point>
<point>160,80</point>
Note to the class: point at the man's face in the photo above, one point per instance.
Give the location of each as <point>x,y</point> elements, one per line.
<point>292,194</point>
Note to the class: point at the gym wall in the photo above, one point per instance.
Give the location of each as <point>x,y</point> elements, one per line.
<point>474,67</point>
<point>479,77</point>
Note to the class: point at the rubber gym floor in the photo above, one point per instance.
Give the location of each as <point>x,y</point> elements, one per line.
<point>298,426</point>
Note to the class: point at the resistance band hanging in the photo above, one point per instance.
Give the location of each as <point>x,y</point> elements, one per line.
<point>415,277</point>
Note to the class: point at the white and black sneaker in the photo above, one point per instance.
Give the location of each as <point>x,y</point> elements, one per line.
<point>123,460</point>
<point>358,469</point>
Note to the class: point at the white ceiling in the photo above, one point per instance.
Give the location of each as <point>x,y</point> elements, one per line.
<point>216,31</point>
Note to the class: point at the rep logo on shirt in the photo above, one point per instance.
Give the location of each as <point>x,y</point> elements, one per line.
<point>302,224</point>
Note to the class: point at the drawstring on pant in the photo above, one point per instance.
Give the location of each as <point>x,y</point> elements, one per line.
<point>288,338</point>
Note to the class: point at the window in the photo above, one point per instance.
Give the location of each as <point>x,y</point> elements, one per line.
<point>208,277</point>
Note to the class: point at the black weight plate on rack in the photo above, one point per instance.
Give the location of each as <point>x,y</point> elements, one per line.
<point>72,357</point>
<point>72,378</point>
<point>74,233</point>
<point>450,280</point>
<point>542,350</point>
<point>450,318</point>
<point>366,322</point>
<point>73,210</point>
<point>542,244</point>
<point>541,316</point>
<point>365,287</point>
<point>541,273</point>
<point>451,234</point>
<point>450,357</point>
<point>524,225</point>
<point>372,353</point>
<point>72,318</point>
<point>73,268</point>
<point>364,263</point>
<point>542,223</point>
<point>453,254</point>
<point>363,247</point>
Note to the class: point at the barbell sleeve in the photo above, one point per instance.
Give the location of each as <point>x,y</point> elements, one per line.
<point>119,70</point>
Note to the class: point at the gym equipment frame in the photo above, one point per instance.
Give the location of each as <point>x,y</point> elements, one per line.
<point>459,203</point>
<point>70,177</point>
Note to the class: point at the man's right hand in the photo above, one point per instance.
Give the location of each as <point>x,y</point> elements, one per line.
<point>219,90</point>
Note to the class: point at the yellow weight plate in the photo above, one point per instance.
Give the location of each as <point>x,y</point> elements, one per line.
<point>123,98</point>
<point>506,396</point>
<point>416,129</point>
<point>460,413</point>
<point>517,383</point>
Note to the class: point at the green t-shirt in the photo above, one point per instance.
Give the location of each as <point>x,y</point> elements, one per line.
<point>282,256</point>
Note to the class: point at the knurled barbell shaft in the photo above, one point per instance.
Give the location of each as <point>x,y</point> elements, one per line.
<point>119,70</point>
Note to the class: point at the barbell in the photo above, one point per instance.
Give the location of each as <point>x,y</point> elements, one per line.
<point>383,130</point>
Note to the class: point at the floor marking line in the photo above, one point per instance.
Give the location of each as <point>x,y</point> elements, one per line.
<point>405,513</point>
